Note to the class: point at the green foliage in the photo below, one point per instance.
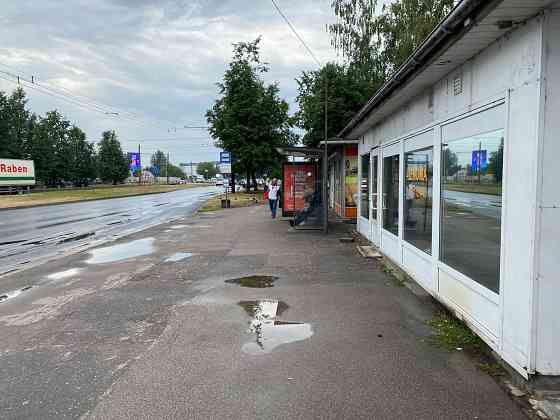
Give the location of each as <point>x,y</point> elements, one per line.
<point>452,334</point>
<point>207,169</point>
<point>249,119</point>
<point>496,163</point>
<point>60,151</point>
<point>373,46</point>
<point>378,44</point>
<point>113,164</point>
<point>347,92</point>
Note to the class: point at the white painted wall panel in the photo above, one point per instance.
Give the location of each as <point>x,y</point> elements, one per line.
<point>548,231</point>
<point>521,145</point>
<point>390,246</point>
<point>483,313</point>
<point>420,266</point>
<point>420,141</point>
<point>548,321</point>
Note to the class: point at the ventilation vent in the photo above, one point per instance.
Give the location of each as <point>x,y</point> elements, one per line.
<point>458,85</point>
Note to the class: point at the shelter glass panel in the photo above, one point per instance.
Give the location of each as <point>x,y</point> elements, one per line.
<point>472,206</point>
<point>418,201</point>
<point>391,175</point>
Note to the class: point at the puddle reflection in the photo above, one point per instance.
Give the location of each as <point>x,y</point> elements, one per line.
<point>178,256</point>
<point>122,251</point>
<point>270,332</point>
<point>254,281</point>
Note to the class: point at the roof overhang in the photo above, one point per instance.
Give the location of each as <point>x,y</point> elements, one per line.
<point>305,152</point>
<point>468,29</point>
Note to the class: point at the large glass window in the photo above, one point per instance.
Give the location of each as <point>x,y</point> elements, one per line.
<point>391,194</point>
<point>364,187</point>
<point>472,206</point>
<point>418,199</point>
<point>374,193</point>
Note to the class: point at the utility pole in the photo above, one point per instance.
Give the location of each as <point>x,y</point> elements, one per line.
<point>325,163</point>
<point>167,168</point>
<point>140,169</point>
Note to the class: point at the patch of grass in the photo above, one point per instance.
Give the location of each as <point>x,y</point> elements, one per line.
<point>238,199</point>
<point>86,194</point>
<point>451,334</point>
<point>491,368</point>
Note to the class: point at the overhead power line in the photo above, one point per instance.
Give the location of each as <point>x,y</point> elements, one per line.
<point>296,33</point>
<point>80,100</point>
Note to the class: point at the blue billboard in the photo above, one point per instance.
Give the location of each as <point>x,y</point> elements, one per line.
<point>479,156</point>
<point>134,161</point>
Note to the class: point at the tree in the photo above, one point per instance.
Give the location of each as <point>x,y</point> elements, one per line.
<point>249,119</point>
<point>378,44</point>
<point>159,163</point>
<point>450,162</point>
<point>207,169</point>
<point>15,129</point>
<point>346,95</point>
<point>496,163</point>
<point>84,161</point>
<point>113,164</point>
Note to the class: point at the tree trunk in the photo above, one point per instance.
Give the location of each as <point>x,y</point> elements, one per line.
<point>255,186</point>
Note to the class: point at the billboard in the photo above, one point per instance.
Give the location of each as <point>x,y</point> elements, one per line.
<point>479,156</point>
<point>134,161</point>
<point>17,172</point>
<point>298,180</point>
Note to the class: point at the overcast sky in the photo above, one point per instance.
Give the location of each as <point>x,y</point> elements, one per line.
<point>156,58</point>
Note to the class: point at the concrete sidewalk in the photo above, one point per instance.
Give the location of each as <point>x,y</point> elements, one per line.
<point>359,349</point>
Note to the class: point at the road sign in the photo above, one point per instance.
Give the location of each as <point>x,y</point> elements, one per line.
<point>225,168</point>
<point>225,157</point>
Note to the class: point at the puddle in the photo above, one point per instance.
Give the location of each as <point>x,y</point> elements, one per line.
<point>178,256</point>
<point>270,332</point>
<point>10,295</point>
<point>254,281</point>
<point>122,251</point>
<point>64,274</point>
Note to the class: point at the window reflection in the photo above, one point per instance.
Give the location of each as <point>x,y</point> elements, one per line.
<point>364,187</point>
<point>472,206</point>
<point>418,199</point>
<point>374,188</point>
<point>391,194</point>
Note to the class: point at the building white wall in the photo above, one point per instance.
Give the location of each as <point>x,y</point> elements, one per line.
<point>547,293</point>
<point>509,71</point>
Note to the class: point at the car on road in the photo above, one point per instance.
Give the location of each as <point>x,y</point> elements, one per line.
<point>219,183</point>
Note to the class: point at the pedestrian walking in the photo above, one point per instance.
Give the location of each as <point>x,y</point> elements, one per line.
<point>273,190</point>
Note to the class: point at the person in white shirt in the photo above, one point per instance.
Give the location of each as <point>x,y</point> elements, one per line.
<point>273,189</point>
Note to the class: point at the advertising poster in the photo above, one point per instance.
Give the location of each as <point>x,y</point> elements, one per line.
<point>298,180</point>
<point>134,161</point>
<point>351,179</point>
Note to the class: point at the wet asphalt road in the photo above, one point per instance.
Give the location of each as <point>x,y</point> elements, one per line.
<point>157,326</point>
<point>28,236</point>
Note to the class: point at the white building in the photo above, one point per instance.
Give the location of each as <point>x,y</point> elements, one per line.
<point>458,158</point>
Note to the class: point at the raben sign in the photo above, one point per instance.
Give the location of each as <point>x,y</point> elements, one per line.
<point>17,172</point>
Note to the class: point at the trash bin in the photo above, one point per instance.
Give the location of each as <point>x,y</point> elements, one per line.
<point>226,204</point>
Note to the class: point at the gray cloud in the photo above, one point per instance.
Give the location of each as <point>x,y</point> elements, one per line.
<point>157,58</point>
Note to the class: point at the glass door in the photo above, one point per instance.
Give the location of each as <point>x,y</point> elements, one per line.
<point>374,196</point>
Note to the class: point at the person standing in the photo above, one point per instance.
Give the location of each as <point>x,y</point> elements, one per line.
<point>273,190</point>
